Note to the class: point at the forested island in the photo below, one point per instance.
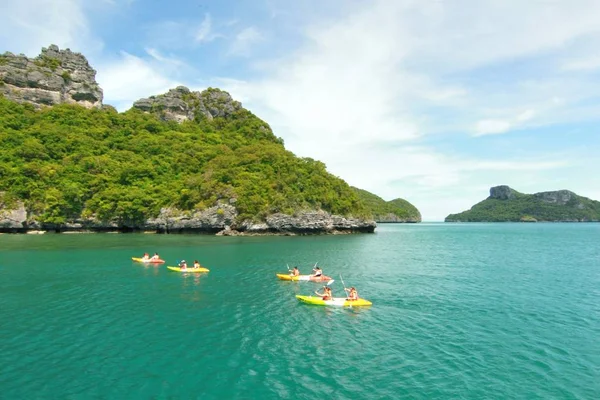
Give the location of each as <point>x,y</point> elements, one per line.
<point>507,205</point>
<point>183,161</point>
<point>397,210</point>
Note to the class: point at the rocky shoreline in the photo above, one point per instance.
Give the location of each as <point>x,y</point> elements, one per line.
<point>220,220</point>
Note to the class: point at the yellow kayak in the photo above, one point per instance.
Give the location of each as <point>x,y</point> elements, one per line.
<point>336,301</point>
<point>288,277</point>
<point>189,269</point>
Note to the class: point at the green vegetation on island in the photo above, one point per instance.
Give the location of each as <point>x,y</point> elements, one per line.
<point>397,210</point>
<point>508,205</point>
<point>65,162</point>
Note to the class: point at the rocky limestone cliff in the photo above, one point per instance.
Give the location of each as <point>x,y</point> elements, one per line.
<point>181,104</point>
<point>220,219</point>
<point>393,218</point>
<point>308,222</point>
<point>502,192</point>
<point>54,77</point>
<point>559,197</point>
<point>12,219</point>
<point>211,220</point>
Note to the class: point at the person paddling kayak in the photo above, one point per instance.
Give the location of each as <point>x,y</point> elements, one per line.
<point>317,272</point>
<point>327,294</point>
<point>196,264</point>
<point>155,257</point>
<point>182,264</point>
<point>352,293</point>
<point>295,272</point>
<point>146,257</point>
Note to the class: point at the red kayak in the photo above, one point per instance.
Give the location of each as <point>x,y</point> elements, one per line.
<point>159,261</point>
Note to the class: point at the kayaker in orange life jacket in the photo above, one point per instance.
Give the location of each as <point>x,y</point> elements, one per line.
<point>352,293</point>
<point>327,294</point>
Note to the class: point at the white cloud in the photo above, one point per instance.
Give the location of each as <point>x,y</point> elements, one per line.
<point>526,115</point>
<point>173,35</point>
<point>129,78</point>
<point>166,60</point>
<point>437,182</point>
<point>467,33</point>
<point>497,126</point>
<point>365,90</point>
<point>373,92</point>
<point>29,25</point>
<point>244,41</point>
<point>584,64</point>
<point>204,34</point>
<point>492,127</point>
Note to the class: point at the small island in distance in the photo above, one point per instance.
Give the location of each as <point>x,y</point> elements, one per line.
<point>507,205</point>
<point>393,211</point>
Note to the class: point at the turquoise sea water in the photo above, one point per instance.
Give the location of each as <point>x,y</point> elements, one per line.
<point>471,311</point>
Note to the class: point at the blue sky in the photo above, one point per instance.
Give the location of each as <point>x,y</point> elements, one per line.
<point>432,101</point>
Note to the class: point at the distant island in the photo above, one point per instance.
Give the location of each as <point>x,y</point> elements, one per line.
<point>182,161</point>
<point>507,205</point>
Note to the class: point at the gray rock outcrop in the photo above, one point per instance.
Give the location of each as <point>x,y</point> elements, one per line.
<point>182,104</point>
<point>308,222</point>
<point>211,220</point>
<point>559,197</point>
<point>13,219</point>
<point>502,192</point>
<point>54,77</point>
<point>220,219</point>
<point>393,218</point>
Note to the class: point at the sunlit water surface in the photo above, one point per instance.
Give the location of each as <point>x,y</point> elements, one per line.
<point>467,311</point>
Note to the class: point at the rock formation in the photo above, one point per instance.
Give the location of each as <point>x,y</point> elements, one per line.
<point>12,219</point>
<point>502,192</point>
<point>181,104</point>
<point>220,219</point>
<point>560,197</point>
<point>308,222</point>
<point>54,77</point>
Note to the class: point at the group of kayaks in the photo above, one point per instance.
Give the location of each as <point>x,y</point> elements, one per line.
<point>171,268</point>
<point>322,300</point>
<point>314,300</point>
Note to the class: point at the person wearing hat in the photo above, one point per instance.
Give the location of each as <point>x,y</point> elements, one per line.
<point>182,264</point>
<point>352,293</point>
<point>327,293</point>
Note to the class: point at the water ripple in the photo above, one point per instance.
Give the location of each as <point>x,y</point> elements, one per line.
<point>460,311</point>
